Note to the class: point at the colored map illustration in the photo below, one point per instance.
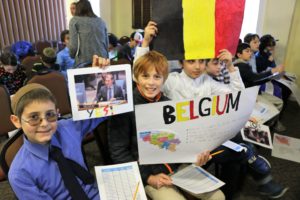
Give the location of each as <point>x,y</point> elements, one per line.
<point>162,139</point>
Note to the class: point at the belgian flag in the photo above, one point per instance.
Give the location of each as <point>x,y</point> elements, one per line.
<point>195,29</point>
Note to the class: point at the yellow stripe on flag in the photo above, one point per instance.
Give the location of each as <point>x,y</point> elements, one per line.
<point>199,28</point>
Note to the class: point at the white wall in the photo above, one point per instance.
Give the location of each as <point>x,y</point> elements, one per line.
<point>292,59</point>
<point>275,19</point>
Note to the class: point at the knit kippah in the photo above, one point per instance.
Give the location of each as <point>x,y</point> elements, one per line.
<point>22,91</point>
<point>49,55</point>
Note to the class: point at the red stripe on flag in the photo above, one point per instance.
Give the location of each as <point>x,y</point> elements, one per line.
<point>229,16</point>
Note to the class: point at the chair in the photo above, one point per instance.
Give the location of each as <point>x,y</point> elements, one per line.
<point>41,45</point>
<point>29,62</point>
<point>120,61</point>
<point>57,84</point>
<point>5,123</point>
<point>9,150</point>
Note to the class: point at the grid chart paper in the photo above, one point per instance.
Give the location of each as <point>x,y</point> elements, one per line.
<point>120,182</point>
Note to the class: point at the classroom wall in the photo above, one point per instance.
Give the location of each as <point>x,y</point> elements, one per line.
<point>292,59</point>
<point>275,19</point>
<point>121,11</point>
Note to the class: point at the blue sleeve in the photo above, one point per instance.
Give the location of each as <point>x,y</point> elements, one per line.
<point>25,188</point>
<point>90,124</point>
<point>60,59</point>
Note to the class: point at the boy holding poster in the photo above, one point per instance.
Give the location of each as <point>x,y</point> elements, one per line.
<point>150,72</point>
<point>50,164</point>
<point>193,82</point>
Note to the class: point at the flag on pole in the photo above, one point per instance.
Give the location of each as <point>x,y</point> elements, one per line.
<point>195,29</point>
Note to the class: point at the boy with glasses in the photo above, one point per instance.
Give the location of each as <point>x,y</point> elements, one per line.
<point>50,164</point>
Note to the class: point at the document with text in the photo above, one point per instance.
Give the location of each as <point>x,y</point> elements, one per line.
<point>120,182</point>
<point>196,180</point>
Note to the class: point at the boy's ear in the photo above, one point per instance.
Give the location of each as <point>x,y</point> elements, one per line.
<point>15,120</point>
<point>239,55</point>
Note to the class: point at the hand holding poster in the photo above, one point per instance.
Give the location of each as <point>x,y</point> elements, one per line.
<point>96,92</point>
<point>177,131</point>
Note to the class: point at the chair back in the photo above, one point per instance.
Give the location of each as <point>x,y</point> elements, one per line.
<point>9,151</point>
<point>57,84</point>
<point>5,124</point>
<point>41,45</point>
<point>29,62</point>
<point>120,61</point>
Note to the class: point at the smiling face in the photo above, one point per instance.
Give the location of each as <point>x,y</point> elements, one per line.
<point>41,133</point>
<point>193,68</point>
<point>150,82</point>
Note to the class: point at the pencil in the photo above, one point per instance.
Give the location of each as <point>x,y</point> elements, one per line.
<point>136,191</point>
<point>217,152</point>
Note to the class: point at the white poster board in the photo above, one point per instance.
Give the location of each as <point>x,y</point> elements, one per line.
<point>177,131</point>
<point>96,92</point>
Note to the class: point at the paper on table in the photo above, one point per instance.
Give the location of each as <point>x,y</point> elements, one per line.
<point>286,148</point>
<point>122,181</point>
<point>264,111</point>
<point>234,146</point>
<point>196,180</point>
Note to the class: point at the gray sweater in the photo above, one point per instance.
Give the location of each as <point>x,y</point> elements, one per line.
<point>92,38</point>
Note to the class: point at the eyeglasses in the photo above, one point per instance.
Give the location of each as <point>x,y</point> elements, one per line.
<point>36,120</point>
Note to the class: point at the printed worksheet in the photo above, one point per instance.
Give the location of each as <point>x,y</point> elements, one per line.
<point>120,182</point>
<point>196,180</point>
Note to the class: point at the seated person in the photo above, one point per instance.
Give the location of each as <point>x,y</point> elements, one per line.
<point>63,57</point>
<point>150,72</point>
<point>110,91</point>
<point>48,64</point>
<point>249,77</point>
<point>12,75</point>
<point>253,41</point>
<point>50,164</point>
<point>192,82</point>
<point>113,47</point>
<point>217,72</point>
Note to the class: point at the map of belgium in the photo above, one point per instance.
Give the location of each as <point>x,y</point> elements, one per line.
<point>162,139</point>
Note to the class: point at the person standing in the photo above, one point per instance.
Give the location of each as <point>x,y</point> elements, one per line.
<point>88,34</point>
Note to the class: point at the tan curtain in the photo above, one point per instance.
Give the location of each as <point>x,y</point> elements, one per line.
<point>31,20</point>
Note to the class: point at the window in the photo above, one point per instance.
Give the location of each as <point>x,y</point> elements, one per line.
<point>250,17</point>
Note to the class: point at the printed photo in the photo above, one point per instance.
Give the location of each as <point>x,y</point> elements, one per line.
<point>258,134</point>
<point>100,93</point>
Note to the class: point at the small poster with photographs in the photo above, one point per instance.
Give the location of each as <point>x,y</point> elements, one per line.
<point>96,92</point>
<point>257,134</point>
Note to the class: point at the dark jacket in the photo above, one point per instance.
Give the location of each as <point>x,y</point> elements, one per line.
<point>262,61</point>
<point>102,93</point>
<point>251,78</point>
<point>123,142</point>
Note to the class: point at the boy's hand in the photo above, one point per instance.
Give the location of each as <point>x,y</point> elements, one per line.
<point>159,180</point>
<point>203,158</point>
<point>100,62</point>
<point>149,32</point>
<point>226,57</point>
<point>279,69</point>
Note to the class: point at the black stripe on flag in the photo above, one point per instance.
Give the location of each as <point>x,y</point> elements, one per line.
<point>168,14</point>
